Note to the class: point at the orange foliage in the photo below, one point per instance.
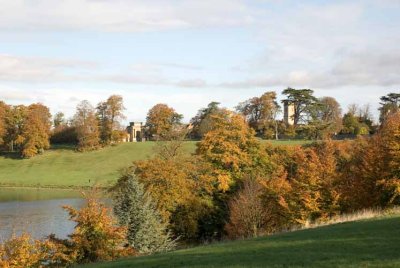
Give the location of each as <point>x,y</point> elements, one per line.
<point>230,146</point>
<point>96,236</point>
<point>21,252</point>
<point>174,182</point>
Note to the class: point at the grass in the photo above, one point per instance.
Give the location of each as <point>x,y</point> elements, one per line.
<point>62,167</point>
<point>366,243</point>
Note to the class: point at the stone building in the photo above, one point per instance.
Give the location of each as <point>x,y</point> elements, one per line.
<point>288,113</point>
<point>135,132</point>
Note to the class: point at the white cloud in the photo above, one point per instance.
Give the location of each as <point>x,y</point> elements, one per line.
<point>121,15</point>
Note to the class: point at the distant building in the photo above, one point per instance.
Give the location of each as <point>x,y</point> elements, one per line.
<point>135,132</point>
<point>288,113</point>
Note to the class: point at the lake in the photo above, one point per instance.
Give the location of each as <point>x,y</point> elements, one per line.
<point>38,212</point>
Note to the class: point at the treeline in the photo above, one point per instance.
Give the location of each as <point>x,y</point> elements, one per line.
<point>29,130</point>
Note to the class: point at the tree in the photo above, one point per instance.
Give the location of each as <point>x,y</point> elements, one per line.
<point>96,236</point>
<point>303,101</point>
<point>357,120</point>
<point>86,125</point>
<point>260,113</point>
<point>161,119</point>
<point>247,214</point>
<point>201,122</point>
<point>3,111</point>
<point>134,207</point>
<point>390,104</point>
<point>21,252</point>
<point>59,119</point>
<point>15,120</point>
<point>36,130</point>
<point>109,114</point>
<point>230,146</point>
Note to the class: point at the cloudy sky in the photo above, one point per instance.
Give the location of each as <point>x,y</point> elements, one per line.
<point>188,53</point>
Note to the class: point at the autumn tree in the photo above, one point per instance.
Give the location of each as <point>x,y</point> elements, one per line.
<point>201,123</point>
<point>161,119</point>
<point>134,207</point>
<point>15,120</point>
<point>390,104</point>
<point>3,112</point>
<point>247,213</point>
<point>110,113</point>
<point>21,252</point>
<point>303,101</point>
<point>96,236</point>
<point>230,146</point>
<point>86,125</point>
<point>260,113</point>
<point>36,130</point>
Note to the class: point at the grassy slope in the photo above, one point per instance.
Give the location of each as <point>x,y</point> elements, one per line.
<point>368,243</point>
<point>63,167</point>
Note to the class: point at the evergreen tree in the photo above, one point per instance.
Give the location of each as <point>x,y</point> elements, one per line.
<point>135,209</point>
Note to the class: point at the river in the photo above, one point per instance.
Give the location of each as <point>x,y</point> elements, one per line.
<point>38,212</point>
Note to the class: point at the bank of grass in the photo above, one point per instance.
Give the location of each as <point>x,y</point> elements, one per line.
<point>62,167</point>
<point>364,243</point>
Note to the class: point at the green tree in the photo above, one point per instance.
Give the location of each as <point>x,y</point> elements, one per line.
<point>59,119</point>
<point>201,123</point>
<point>303,101</point>
<point>390,104</point>
<point>109,114</point>
<point>135,209</point>
<point>86,125</point>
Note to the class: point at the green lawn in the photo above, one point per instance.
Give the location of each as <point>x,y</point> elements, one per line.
<point>63,167</point>
<point>368,243</point>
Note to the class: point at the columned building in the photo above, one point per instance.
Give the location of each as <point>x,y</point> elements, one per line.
<point>135,132</point>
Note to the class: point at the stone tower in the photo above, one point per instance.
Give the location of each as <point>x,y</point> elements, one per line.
<point>288,113</point>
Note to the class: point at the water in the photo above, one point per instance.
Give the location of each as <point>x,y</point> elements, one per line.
<point>38,212</point>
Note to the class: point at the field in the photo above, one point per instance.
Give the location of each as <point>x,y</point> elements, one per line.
<point>62,167</point>
<point>366,243</point>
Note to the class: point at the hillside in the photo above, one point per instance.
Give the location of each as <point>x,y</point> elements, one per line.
<point>367,243</point>
<point>63,167</point>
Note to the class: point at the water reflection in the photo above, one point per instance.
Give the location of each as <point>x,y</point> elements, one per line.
<point>38,212</point>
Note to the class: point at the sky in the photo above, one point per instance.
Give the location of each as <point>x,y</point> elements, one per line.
<point>189,53</point>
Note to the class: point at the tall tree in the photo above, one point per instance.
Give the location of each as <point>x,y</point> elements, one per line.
<point>136,210</point>
<point>161,119</point>
<point>86,125</point>
<point>260,113</point>
<point>303,101</point>
<point>390,104</point>
<point>325,119</point>
<point>109,114</point>
<point>3,112</point>
<point>201,122</point>
<point>36,130</point>
<point>59,119</point>
<point>230,146</point>
<point>15,120</point>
